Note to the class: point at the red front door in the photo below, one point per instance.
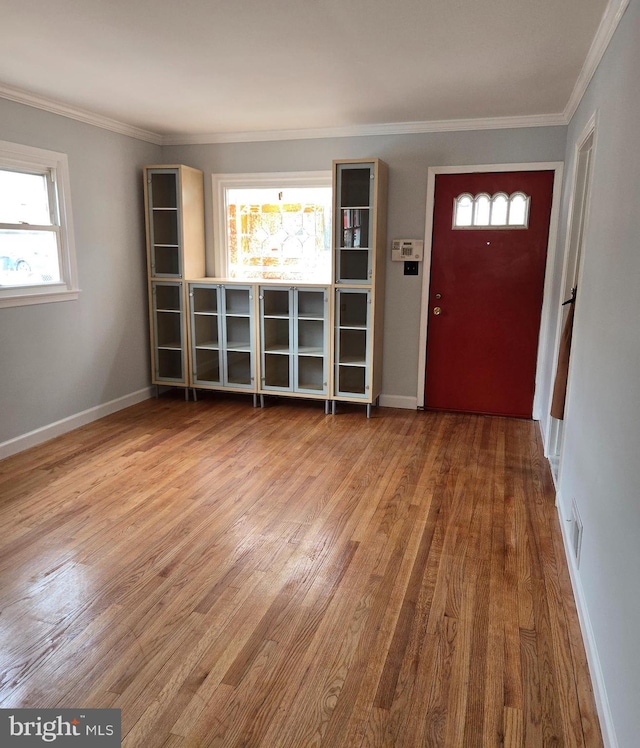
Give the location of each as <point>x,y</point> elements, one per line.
<point>485,298</point>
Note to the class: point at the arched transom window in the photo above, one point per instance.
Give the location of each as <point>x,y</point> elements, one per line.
<point>483,211</point>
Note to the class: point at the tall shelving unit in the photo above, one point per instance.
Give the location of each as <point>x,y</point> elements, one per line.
<point>308,340</point>
<point>360,197</point>
<point>174,221</point>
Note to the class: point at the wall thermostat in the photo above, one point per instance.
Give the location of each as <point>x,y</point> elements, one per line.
<point>403,250</point>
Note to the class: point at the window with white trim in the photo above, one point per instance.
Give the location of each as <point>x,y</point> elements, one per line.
<point>37,255</point>
<point>273,226</point>
<point>483,211</point>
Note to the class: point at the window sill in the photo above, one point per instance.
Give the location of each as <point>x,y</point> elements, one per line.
<point>44,296</point>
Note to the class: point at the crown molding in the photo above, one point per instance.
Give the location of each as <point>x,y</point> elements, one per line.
<point>608,25</point>
<point>354,131</point>
<point>81,115</point>
<point>349,131</point>
<point>610,20</point>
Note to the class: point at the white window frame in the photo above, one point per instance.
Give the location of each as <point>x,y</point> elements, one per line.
<point>14,156</point>
<point>222,182</point>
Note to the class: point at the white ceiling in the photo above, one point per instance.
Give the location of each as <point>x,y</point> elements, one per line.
<point>189,69</point>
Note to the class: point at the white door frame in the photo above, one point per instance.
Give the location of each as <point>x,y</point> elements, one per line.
<point>544,352</point>
<point>577,220</point>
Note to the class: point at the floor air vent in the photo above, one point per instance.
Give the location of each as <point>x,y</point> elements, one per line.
<point>576,533</point>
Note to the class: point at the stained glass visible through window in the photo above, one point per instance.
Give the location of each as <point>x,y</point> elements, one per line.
<point>280,234</point>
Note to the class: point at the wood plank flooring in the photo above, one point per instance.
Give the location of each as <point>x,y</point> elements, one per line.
<point>231,576</point>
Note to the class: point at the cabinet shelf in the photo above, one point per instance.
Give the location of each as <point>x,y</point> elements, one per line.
<point>210,345</point>
<point>311,351</point>
<point>241,345</point>
<point>317,386</point>
<point>174,345</point>
<point>284,348</point>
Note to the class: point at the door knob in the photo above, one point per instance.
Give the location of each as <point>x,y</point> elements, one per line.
<point>437,310</point>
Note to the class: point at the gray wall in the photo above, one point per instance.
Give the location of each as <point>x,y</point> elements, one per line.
<point>408,157</point>
<point>59,359</point>
<point>601,465</point>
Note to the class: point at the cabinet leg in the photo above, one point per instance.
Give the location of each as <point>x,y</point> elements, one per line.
<point>195,395</point>
<point>262,401</point>
<point>186,394</point>
<point>255,400</point>
<point>333,407</point>
<point>368,410</point>
<point>326,407</point>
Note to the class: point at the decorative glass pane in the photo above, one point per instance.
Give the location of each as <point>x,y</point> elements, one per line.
<point>24,198</point>
<point>281,234</point>
<point>499,210</point>
<point>518,210</point>
<point>463,212</point>
<point>482,211</point>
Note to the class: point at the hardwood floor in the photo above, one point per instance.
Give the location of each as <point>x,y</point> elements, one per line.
<point>230,576</point>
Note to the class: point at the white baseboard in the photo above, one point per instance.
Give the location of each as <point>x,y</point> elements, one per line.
<point>19,443</point>
<point>399,401</point>
<point>597,677</point>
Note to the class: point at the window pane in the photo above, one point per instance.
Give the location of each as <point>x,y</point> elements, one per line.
<point>481,217</point>
<point>282,234</point>
<point>499,210</point>
<point>24,198</point>
<point>518,210</point>
<point>463,211</point>
<point>28,258</point>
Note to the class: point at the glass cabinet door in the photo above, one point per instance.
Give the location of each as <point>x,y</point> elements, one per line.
<point>354,227</point>
<point>164,223</point>
<point>276,323</point>
<point>206,353</point>
<point>311,329</point>
<point>352,342</point>
<point>168,326</point>
<point>237,335</point>
<point>294,339</point>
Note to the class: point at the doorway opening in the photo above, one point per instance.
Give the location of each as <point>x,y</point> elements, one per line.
<point>570,286</point>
